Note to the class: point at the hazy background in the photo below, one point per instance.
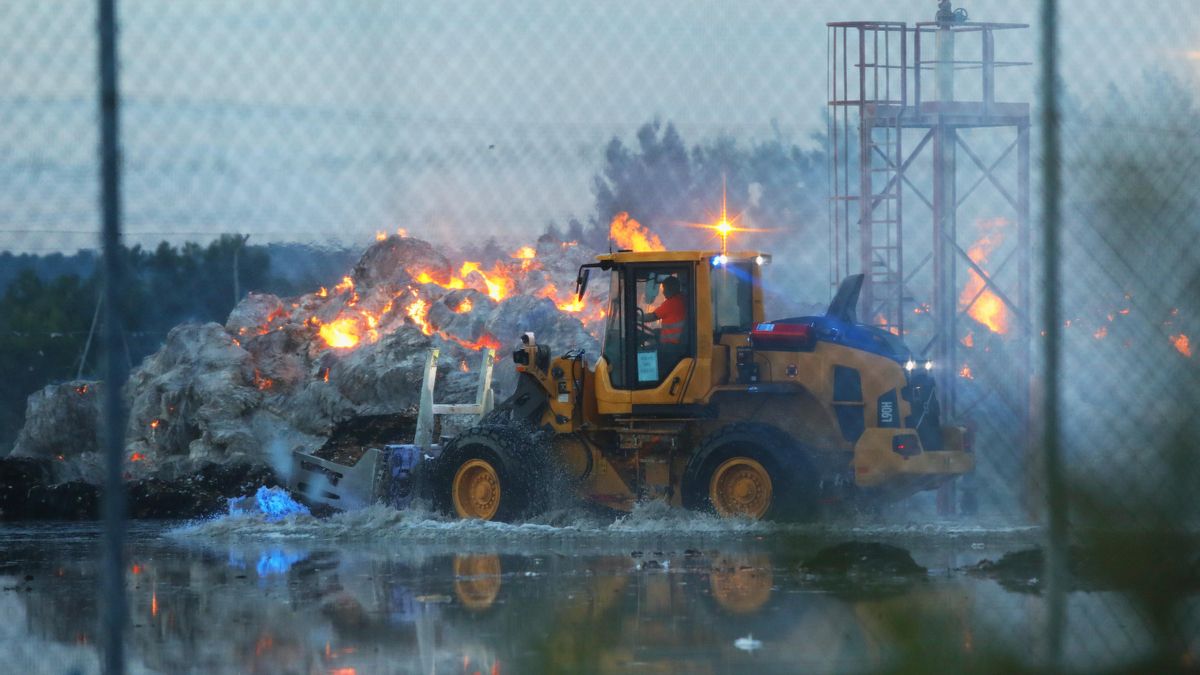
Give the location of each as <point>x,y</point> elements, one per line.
<point>327,121</point>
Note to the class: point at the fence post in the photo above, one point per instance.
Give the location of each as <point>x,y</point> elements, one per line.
<point>112,577</point>
<point>1055,487</point>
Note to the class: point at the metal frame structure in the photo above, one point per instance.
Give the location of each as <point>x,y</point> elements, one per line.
<point>883,122</point>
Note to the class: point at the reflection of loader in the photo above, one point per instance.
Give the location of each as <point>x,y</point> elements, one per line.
<point>719,410</point>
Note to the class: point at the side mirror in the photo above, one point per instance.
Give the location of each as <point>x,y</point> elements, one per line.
<point>581,282</point>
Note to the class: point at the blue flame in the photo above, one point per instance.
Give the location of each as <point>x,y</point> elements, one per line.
<point>276,503</point>
<point>277,562</point>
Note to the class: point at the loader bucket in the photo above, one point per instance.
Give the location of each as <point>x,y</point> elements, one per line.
<point>320,481</point>
<point>384,475</point>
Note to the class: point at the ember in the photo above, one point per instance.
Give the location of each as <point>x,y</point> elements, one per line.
<point>262,383</point>
<point>1182,344</point>
<point>965,372</point>
<point>136,457</point>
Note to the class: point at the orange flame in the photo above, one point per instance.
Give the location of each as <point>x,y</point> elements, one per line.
<point>499,284</point>
<point>81,389</point>
<point>988,309</point>
<point>1101,333</point>
<point>381,235</point>
<point>346,285</point>
<point>154,423</point>
<point>325,374</point>
<point>1182,344</point>
<point>628,233</point>
<point>464,306</point>
<point>525,253</point>
<point>417,311</point>
<point>966,372</point>
<point>969,340</point>
<point>341,333</point>
<point>153,603</point>
<point>136,457</point>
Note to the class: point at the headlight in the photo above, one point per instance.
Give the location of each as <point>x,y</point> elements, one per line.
<point>928,366</point>
<point>910,365</point>
<point>719,260</point>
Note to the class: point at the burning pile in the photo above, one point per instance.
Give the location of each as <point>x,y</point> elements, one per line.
<point>282,370</point>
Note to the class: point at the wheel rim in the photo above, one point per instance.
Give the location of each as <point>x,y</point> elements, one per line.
<point>476,490</point>
<point>742,585</point>
<point>741,487</point>
<point>477,580</point>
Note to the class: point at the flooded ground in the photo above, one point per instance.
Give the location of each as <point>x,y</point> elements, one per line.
<point>658,591</point>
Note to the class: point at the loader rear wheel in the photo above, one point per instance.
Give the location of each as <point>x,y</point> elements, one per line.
<point>490,473</point>
<point>750,471</point>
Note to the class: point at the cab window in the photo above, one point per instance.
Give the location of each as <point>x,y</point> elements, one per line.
<point>615,331</point>
<point>663,322</point>
<point>732,298</point>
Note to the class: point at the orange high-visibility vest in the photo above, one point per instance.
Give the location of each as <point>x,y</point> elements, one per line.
<point>673,315</point>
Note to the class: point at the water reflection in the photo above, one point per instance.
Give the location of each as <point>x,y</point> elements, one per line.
<point>362,609</point>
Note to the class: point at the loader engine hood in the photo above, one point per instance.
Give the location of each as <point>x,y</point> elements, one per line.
<point>840,325</point>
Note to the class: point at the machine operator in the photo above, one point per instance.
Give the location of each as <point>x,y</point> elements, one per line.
<point>672,312</point>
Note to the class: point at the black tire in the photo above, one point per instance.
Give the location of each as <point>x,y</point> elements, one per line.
<point>787,463</point>
<point>520,464</point>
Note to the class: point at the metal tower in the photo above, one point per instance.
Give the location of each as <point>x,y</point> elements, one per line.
<point>903,101</point>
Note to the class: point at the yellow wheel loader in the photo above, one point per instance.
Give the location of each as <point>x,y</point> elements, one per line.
<point>700,401</point>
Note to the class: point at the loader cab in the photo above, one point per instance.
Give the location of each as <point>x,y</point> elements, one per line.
<point>665,312</point>
<point>650,323</point>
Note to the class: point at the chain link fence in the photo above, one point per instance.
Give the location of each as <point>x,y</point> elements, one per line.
<point>264,146</point>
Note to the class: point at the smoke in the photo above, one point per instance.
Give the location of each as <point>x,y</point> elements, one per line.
<point>774,185</point>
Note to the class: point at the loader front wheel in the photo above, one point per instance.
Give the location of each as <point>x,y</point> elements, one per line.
<point>490,473</point>
<point>476,490</point>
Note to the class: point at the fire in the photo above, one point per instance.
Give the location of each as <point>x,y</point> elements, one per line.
<point>965,372</point>
<point>988,309</point>
<point>401,232</point>
<point>1182,344</point>
<point>628,233</point>
<point>325,374</point>
<point>417,311</point>
<point>381,235</point>
<point>154,603</point>
<point>81,389</point>
<point>525,253</point>
<point>1101,333</point>
<point>323,293</point>
<point>969,340</point>
<point>464,306</point>
<point>462,365</point>
<point>341,333</point>
<point>136,457</point>
<point>499,284</point>
<point>154,423</point>
<point>347,284</point>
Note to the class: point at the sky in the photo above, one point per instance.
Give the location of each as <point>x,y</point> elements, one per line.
<point>327,121</point>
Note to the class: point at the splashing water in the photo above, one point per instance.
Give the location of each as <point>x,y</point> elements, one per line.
<point>274,503</point>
